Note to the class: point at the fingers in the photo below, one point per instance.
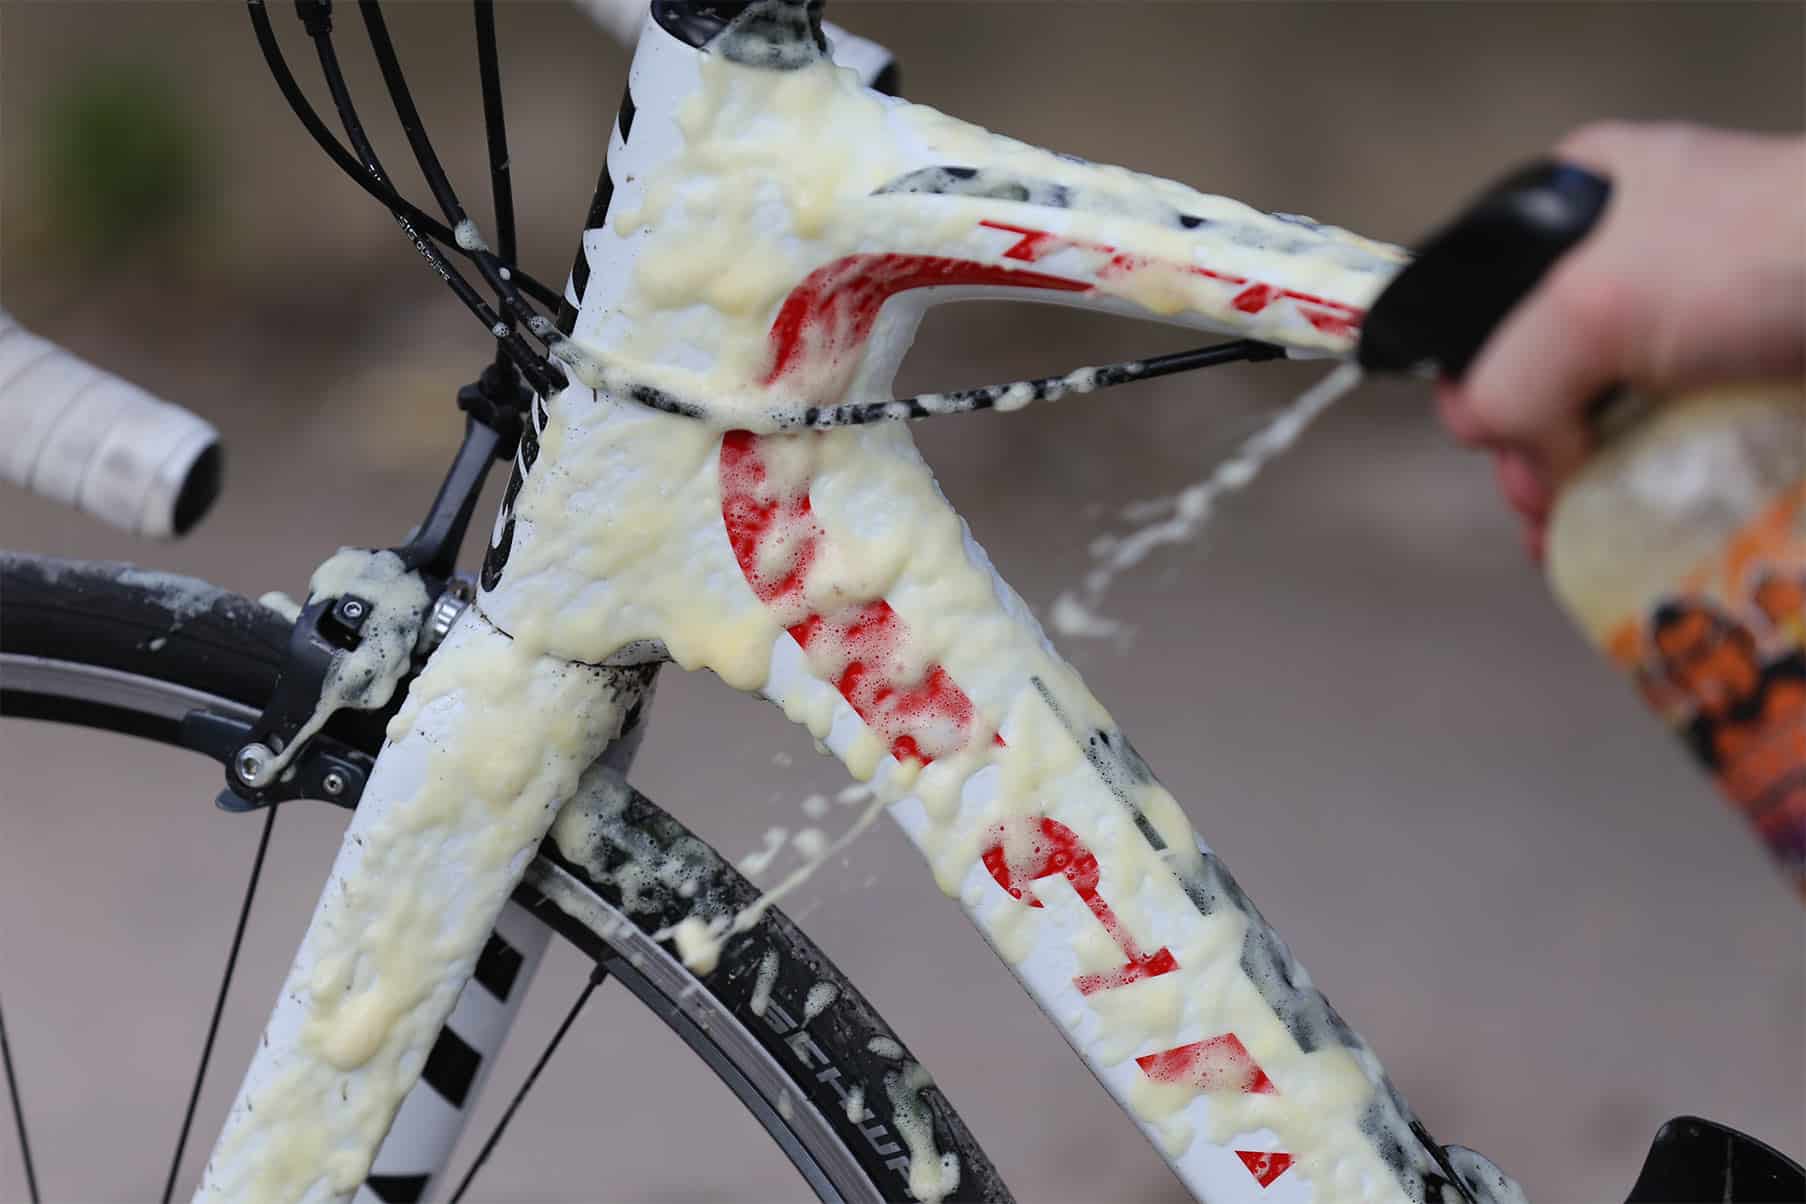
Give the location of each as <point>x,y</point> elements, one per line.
<point>1525,397</point>
<point>1526,492</point>
<point>1452,407</point>
<point>1529,389</point>
<point>1522,486</point>
<point>1695,275</point>
<point>1601,145</point>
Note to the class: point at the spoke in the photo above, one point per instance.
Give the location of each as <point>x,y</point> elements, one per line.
<point>219,1002</point>
<point>12,1089</point>
<point>501,1126</point>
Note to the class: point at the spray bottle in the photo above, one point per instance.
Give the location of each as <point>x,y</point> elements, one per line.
<point>1679,548</point>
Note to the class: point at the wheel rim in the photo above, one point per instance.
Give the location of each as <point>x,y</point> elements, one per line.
<point>590,923</point>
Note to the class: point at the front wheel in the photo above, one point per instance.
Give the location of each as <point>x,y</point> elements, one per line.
<point>110,647</point>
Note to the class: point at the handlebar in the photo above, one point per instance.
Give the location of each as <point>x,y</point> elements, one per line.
<point>89,439</point>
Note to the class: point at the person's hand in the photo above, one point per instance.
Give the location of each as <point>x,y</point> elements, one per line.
<point>1695,275</point>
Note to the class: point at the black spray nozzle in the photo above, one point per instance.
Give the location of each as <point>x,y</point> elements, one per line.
<point>1447,301</point>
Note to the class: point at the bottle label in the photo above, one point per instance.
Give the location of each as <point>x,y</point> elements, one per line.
<point>1722,658</point>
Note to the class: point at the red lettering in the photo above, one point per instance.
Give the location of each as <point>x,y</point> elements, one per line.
<point>830,314</point>
<point>1219,1064</point>
<point>1265,1165</point>
<point>1253,299</point>
<point>1047,847</point>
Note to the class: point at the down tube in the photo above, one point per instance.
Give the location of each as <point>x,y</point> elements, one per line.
<point>1079,868</point>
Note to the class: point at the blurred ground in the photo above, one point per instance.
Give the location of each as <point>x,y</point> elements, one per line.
<point>1489,858</point>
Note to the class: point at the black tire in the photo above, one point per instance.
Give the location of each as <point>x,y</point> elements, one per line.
<point>107,646</point>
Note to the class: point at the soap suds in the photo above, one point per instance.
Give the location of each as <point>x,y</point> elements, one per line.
<point>365,677</point>
<point>184,597</point>
<point>617,539</point>
<point>698,943</point>
<point>811,843</point>
<point>933,1175</point>
<point>816,1002</point>
<point>282,604</point>
<point>762,985</point>
<point>756,863</point>
<point>486,745</point>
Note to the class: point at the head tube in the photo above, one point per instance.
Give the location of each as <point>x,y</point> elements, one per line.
<point>779,34</point>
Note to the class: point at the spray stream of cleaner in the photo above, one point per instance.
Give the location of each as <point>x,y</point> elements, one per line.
<point>1179,518</point>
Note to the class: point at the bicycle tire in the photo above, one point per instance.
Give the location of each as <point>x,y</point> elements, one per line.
<point>108,646</point>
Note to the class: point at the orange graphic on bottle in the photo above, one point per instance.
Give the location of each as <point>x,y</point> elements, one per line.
<point>1723,658</point>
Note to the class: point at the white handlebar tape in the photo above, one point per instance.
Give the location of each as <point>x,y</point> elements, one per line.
<point>84,437</point>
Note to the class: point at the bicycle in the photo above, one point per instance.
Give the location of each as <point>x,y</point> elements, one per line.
<point>370,611</point>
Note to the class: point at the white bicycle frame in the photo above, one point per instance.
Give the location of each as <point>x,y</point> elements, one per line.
<point>1119,922</point>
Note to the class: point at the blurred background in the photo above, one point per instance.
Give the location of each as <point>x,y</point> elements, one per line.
<point>1491,860</point>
